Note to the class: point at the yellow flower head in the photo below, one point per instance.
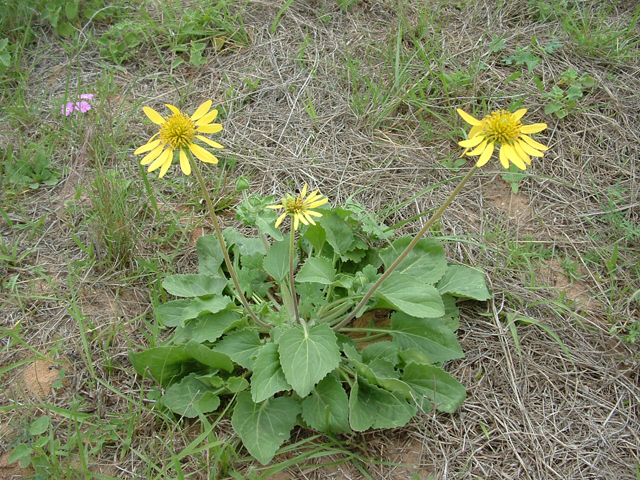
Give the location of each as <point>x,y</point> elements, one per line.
<point>300,208</point>
<point>179,132</point>
<point>504,129</point>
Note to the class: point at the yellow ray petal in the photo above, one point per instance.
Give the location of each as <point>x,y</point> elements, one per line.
<point>521,153</point>
<point>472,142</point>
<point>486,155</point>
<point>154,116</point>
<point>209,142</point>
<point>530,150</point>
<point>158,162</point>
<point>175,110</point>
<point>209,128</point>
<point>479,149</point>
<point>468,118</point>
<point>475,130</point>
<point>165,166</point>
<point>202,110</point>
<point>185,165</point>
<point>208,118</point>
<point>533,143</point>
<point>280,218</point>
<point>535,128</point>
<point>512,155</point>
<point>146,147</point>
<point>517,115</point>
<point>152,155</point>
<point>503,157</point>
<point>202,154</point>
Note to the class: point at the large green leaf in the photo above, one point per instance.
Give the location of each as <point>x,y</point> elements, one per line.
<point>317,270</point>
<point>431,337</point>
<point>210,255</point>
<point>264,426</point>
<point>190,397</point>
<point>426,261</point>
<point>461,281</point>
<point>444,391</point>
<point>176,312</point>
<point>268,377</point>
<point>244,245</point>
<point>411,296</point>
<point>193,285</point>
<point>316,236</point>
<point>208,327</point>
<point>276,262</point>
<point>327,408</point>
<point>373,407</point>
<point>167,363</point>
<point>339,235</point>
<point>378,372</point>
<point>307,355</point>
<point>242,346</point>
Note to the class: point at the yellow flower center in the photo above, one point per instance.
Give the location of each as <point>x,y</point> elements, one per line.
<point>294,206</point>
<point>178,131</point>
<point>501,127</point>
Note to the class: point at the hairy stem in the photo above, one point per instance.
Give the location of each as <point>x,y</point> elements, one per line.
<point>407,250</point>
<point>225,253</point>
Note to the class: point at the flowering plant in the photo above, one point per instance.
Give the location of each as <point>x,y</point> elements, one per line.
<point>328,325</point>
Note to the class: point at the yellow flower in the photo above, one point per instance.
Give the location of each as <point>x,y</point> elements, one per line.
<point>179,132</point>
<point>504,129</point>
<point>300,208</point>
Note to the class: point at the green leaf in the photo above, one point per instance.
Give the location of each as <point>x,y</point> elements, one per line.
<point>308,355</point>
<point>71,10</point>
<point>21,451</point>
<point>362,408</point>
<point>339,235</point>
<point>444,391</point>
<point>316,236</point>
<point>242,347</point>
<point>318,270</point>
<point>461,281</point>
<point>327,408</point>
<point>381,350</point>
<point>210,255</point>
<point>244,245</point>
<point>170,362</point>
<point>263,427</point>
<point>193,285</point>
<point>426,262</point>
<point>190,397</point>
<point>176,312</point>
<point>373,407</point>
<point>208,327</point>
<point>40,425</point>
<point>379,372</point>
<point>430,336</point>
<point>413,297</point>
<point>268,377</point>
<point>276,262</point>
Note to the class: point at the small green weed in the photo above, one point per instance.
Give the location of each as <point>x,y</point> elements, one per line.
<point>565,95</point>
<point>513,176</point>
<point>33,168</point>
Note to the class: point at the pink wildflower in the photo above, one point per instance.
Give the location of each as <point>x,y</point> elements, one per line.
<point>81,106</point>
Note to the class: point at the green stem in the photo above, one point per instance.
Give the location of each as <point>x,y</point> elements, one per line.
<point>407,250</point>
<point>294,298</point>
<point>225,253</point>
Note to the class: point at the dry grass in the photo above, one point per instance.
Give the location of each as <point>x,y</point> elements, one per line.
<point>533,412</point>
